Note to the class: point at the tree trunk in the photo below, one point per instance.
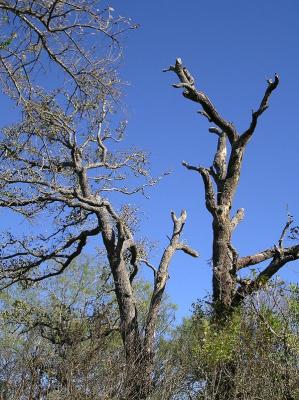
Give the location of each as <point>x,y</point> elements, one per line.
<point>139,349</point>
<point>224,282</point>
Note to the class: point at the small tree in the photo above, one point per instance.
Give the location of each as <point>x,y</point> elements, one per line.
<point>221,180</point>
<point>60,162</point>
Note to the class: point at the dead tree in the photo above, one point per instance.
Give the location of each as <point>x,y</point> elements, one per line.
<point>60,161</point>
<point>221,180</point>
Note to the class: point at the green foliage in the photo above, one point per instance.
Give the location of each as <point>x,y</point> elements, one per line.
<point>255,353</point>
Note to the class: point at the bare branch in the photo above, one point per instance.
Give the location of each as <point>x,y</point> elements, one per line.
<point>142,260</point>
<point>285,230</point>
<point>257,258</point>
<point>187,249</point>
<point>191,93</point>
<point>280,258</point>
<point>272,85</point>
<point>271,252</point>
<point>209,190</point>
<point>54,31</point>
<point>21,270</point>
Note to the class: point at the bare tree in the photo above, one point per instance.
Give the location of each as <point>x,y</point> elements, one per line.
<point>60,161</point>
<point>221,180</point>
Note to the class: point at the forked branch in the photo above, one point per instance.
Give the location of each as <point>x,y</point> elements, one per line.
<point>161,275</point>
<point>208,185</point>
<point>278,255</point>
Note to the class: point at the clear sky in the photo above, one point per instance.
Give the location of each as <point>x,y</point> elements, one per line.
<point>231,47</point>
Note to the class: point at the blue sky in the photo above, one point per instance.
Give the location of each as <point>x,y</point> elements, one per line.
<point>231,47</point>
